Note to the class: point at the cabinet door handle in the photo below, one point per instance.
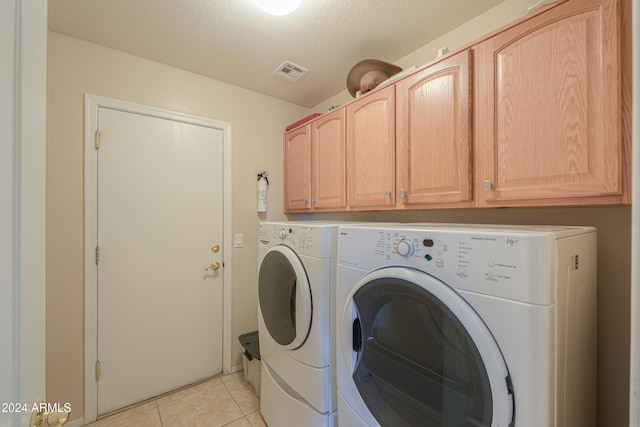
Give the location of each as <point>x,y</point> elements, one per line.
<point>402,192</point>
<point>387,194</point>
<point>488,185</point>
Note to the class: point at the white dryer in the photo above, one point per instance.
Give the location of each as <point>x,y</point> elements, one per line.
<point>296,323</point>
<point>449,325</point>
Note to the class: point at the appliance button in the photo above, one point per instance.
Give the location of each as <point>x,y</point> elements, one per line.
<point>405,248</point>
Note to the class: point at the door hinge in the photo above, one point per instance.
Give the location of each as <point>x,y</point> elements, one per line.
<point>97,370</point>
<point>97,139</point>
<point>97,255</point>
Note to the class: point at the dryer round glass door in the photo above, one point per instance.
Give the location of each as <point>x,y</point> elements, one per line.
<point>423,357</point>
<point>285,297</point>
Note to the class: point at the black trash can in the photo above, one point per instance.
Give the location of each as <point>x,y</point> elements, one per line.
<point>251,360</point>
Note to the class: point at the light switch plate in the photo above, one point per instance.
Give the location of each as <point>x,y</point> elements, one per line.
<point>238,240</point>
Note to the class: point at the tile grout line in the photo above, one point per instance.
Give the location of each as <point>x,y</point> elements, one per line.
<point>237,404</point>
<point>245,415</point>
<point>189,390</point>
<point>158,410</point>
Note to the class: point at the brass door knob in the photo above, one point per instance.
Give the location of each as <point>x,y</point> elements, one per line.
<point>43,418</point>
<point>215,265</point>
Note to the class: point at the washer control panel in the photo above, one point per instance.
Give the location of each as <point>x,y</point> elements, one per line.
<point>296,237</point>
<point>308,240</point>
<point>455,251</point>
<point>422,248</point>
<point>483,261</point>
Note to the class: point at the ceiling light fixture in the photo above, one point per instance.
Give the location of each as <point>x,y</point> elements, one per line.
<point>278,7</point>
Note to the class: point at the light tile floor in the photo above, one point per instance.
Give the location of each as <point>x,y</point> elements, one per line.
<point>221,401</point>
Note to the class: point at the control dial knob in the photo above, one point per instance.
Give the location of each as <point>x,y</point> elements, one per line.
<point>282,233</point>
<point>405,247</point>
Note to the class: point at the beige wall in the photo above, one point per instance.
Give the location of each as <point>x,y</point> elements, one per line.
<point>75,68</point>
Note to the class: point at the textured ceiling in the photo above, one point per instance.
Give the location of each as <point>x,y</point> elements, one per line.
<point>235,42</point>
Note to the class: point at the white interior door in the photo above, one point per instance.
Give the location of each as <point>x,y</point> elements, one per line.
<point>159,226</point>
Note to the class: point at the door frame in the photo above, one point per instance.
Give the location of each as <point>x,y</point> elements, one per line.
<point>91,105</point>
<point>23,135</point>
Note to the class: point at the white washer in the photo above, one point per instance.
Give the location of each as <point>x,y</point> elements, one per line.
<point>451,325</point>
<point>296,325</point>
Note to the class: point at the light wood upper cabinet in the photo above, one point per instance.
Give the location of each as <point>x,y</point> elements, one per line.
<point>371,150</point>
<point>535,114</point>
<point>549,110</point>
<point>329,186</point>
<point>434,134</point>
<point>297,169</point>
<point>315,165</point>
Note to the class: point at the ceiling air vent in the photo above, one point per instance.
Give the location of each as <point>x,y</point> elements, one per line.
<point>290,71</point>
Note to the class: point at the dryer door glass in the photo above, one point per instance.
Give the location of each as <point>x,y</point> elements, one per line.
<point>418,365</point>
<point>285,297</point>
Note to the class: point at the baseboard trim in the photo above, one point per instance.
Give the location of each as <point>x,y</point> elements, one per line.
<point>75,423</point>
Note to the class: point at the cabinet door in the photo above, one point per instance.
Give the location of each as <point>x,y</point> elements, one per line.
<point>434,142</point>
<point>550,111</point>
<point>371,150</point>
<point>329,162</point>
<point>297,169</point>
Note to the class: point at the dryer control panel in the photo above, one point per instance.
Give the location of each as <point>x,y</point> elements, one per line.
<point>312,240</point>
<point>496,263</point>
